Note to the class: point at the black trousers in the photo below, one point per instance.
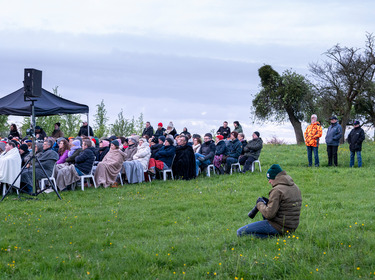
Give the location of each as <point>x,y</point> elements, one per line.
<point>332,154</point>
<point>246,161</point>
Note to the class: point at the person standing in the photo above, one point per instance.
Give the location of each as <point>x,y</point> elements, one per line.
<point>85,129</point>
<point>149,130</point>
<point>333,137</point>
<point>355,139</point>
<point>57,133</point>
<point>224,130</point>
<point>13,131</point>
<point>312,134</point>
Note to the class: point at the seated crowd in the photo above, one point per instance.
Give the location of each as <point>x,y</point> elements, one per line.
<point>134,159</point>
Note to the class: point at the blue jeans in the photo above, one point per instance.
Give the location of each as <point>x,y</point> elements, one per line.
<point>229,162</point>
<point>199,163</point>
<point>79,171</point>
<point>310,149</point>
<point>359,158</point>
<point>261,229</point>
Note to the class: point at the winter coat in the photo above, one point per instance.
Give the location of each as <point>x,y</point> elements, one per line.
<point>159,132</point>
<point>224,131</point>
<point>208,149</point>
<point>166,154</point>
<point>234,148</point>
<point>184,163</point>
<point>83,131</point>
<point>143,155</point>
<point>244,143</point>
<point>238,129</point>
<point>284,206</point>
<point>47,159</point>
<point>154,149</point>
<point>130,152</point>
<point>149,131</point>
<point>253,148</point>
<point>85,160</point>
<point>101,153</point>
<point>57,133</point>
<point>14,133</point>
<point>172,132</point>
<point>221,148</point>
<point>355,139</point>
<point>312,134</point>
<point>72,158</point>
<point>42,134</point>
<point>334,134</point>
<point>63,157</point>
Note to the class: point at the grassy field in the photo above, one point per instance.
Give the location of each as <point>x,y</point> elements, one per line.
<point>187,230</point>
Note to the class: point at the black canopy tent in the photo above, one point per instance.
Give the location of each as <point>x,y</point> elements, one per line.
<point>46,105</point>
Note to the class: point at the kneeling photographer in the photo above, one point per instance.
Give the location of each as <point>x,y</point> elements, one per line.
<point>280,212</point>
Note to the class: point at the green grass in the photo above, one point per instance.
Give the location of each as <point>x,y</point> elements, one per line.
<point>177,229</point>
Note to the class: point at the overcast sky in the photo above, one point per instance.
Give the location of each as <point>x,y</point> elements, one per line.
<point>191,62</point>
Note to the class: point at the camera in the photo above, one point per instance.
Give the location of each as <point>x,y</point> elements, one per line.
<point>255,210</point>
<point>30,132</point>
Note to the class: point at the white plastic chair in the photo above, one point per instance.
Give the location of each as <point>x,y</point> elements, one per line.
<point>168,170</point>
<point>209,170</point>
<point>234,165</point>
<point>5,188</point>
<point>88,176</point>
<point>253,165</point>
<point>43,181</point>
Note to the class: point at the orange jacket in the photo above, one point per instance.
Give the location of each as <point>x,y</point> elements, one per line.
<point>312,134</point>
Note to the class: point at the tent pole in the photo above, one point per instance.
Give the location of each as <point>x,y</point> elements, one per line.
<point>88,125</point>
<point>33,139</point>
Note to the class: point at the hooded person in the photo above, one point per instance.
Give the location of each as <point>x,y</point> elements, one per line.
<point>131,149</point>
<point>281,211</point>
<point>163,158</point>
<point>160,130</point>
<point>109,168</point>
<point>220,153</point>
<point>207,153</point>
<point>24,152</point>
<point>10,165</point>
<point>75,149</point>
<point>135,169</point>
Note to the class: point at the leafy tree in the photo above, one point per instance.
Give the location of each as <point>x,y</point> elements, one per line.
<point>101,119</point>
<point>290,95</point>
<point>346,75</point>
<point>4,126</point>
<point>126,127</point>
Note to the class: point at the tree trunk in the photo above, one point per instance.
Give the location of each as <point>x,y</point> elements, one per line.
<point>297,128</point>
<point>344,121</point>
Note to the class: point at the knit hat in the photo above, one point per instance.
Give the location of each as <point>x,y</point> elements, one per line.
<point>134,140</point>
<point>105,143</point>
<point>208,135</point>
<point>170,141</point>
<point>220,137</point>
<point>235,134</point>
<point>94,140</point>
<point>154,140</point>
<point>116,143</point>
<point>257,133</point>
<point>113,137</point>
<point>24,147</point>
<point>273,171</point>
<point>160,124</point>
<point>76,143</point>
<point>162,138</point>
<point>170,124</point>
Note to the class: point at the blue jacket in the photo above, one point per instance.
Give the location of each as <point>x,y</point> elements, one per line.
<point>166,154</point>
<point>85,160</point>
<point>221,148</point>
<point>334,134</point>
<point>234,148</point>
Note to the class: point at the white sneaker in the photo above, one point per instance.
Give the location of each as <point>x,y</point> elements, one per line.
<point>49,190</point>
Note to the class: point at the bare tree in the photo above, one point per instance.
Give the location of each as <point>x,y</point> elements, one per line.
<point>346,74</point>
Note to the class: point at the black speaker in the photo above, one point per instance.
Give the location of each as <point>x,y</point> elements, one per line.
<point>32,83</point>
